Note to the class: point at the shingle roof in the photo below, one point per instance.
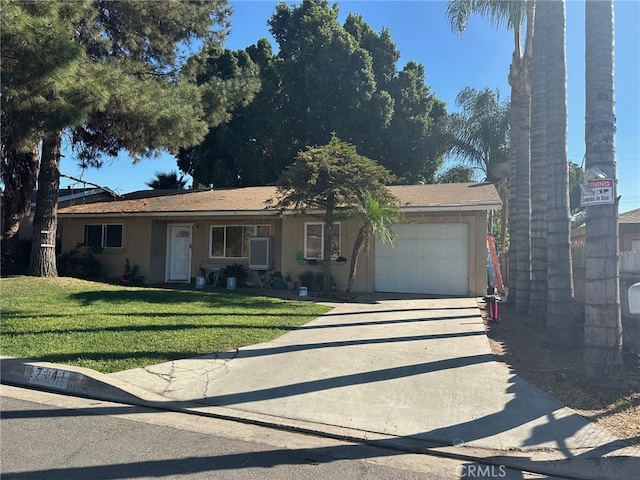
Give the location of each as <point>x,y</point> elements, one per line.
<point>632,216</point>
<point>453,196</point>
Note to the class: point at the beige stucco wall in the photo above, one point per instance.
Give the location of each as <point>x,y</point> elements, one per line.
<point>293,241</point>
<point>136,238</point>
<point>145,244</point>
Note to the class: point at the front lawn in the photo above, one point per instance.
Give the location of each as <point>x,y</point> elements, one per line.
<point>110,328</point>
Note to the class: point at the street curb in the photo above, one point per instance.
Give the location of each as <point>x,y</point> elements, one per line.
<point>620,465</point>
<point>79,381</point>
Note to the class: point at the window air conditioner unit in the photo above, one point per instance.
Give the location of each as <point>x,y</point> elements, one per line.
<point>260,253</point>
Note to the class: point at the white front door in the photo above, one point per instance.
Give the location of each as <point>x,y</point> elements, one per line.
<point>179,253</point>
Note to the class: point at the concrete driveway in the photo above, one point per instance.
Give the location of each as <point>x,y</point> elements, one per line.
<point>411,369</point>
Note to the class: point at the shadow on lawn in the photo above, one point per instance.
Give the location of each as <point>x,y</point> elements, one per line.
<point>154,328</point>
<point>166,296</point>
<point>152,357</point>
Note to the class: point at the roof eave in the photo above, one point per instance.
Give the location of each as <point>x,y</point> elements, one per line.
<point>451,208</point>
<point>231,213</point>
<point>183,213</point>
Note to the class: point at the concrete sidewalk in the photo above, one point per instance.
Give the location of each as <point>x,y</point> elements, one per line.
<point>409,374</point>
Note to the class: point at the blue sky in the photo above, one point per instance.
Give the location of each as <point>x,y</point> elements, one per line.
<point>478,59</point>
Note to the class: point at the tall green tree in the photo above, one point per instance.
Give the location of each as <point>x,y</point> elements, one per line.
<point>603,325</point>
<point>415,142</point>
<point>325,78</point>
<point>512,15</point>
<point>130,52</point>
<point>378,215</point>
<point>247,148</point>
<point>329,178</point>
<point>561,328</point>
<point>40,90</point>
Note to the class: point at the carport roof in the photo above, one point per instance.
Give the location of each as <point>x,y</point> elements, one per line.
<point>257,200</point>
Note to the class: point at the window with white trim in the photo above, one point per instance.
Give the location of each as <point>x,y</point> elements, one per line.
<point>232,241</point>
<point>314,240</point>
<point>103,235</point>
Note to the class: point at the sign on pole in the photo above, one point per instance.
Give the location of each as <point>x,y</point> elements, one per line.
<point>598,192</point>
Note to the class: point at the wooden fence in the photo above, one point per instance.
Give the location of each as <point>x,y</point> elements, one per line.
<point>629,261</point>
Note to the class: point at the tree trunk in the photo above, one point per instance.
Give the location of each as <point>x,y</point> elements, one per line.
<point>503,191</point>
<point>520,156</point>
<point>561,328</point>
<point>538,296</point>
<point>326,258</point>
<point>513,242</point>
<point>603,324</point>
<point>19,172</point>
<point>357,248</point>
<point>45,223</point>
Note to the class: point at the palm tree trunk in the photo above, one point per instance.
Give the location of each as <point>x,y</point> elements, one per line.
<point>603,325</point>
<point>538,295</point>
<point>520,155</point>
<point>561,328</point>
<point>45,223</point>
<point>357,248</point>
<point>326,259</point>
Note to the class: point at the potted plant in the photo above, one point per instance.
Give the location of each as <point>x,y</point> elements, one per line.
<point>291,284</point>
<point>235,274</point>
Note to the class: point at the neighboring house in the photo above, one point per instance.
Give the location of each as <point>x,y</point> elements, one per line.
<point>173,235</point>
<point>66,197</point>
<point>628,231</point>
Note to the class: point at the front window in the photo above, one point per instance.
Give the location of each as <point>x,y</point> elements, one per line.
<point>103,235</point>
<point>314,240</point>
<point>232,241</point>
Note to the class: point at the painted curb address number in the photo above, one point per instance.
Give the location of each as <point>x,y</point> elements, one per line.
<point>49,377</point>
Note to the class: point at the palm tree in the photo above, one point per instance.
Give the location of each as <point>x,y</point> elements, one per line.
<point>480,134</point>
<point>512,14</point>
<point>167,181</point>
<point>378,215</point>
<point>603,326</point>
<point>560,325</point>
<point>456,174</point>
<point>538,293</point>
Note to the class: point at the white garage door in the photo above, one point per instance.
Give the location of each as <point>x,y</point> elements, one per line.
<point>428,258</point>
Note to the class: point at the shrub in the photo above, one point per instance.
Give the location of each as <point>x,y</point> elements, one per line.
<point>306,278</point>
<point>130,275</point>
<point>80,262</point>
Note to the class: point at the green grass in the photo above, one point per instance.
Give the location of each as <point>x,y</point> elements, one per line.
<point>111,328</point>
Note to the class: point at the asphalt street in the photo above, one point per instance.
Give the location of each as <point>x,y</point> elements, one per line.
<point>52,436</point>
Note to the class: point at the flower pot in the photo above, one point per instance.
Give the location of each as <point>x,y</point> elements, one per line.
<point>291,285</point>
<point>231,283</point>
